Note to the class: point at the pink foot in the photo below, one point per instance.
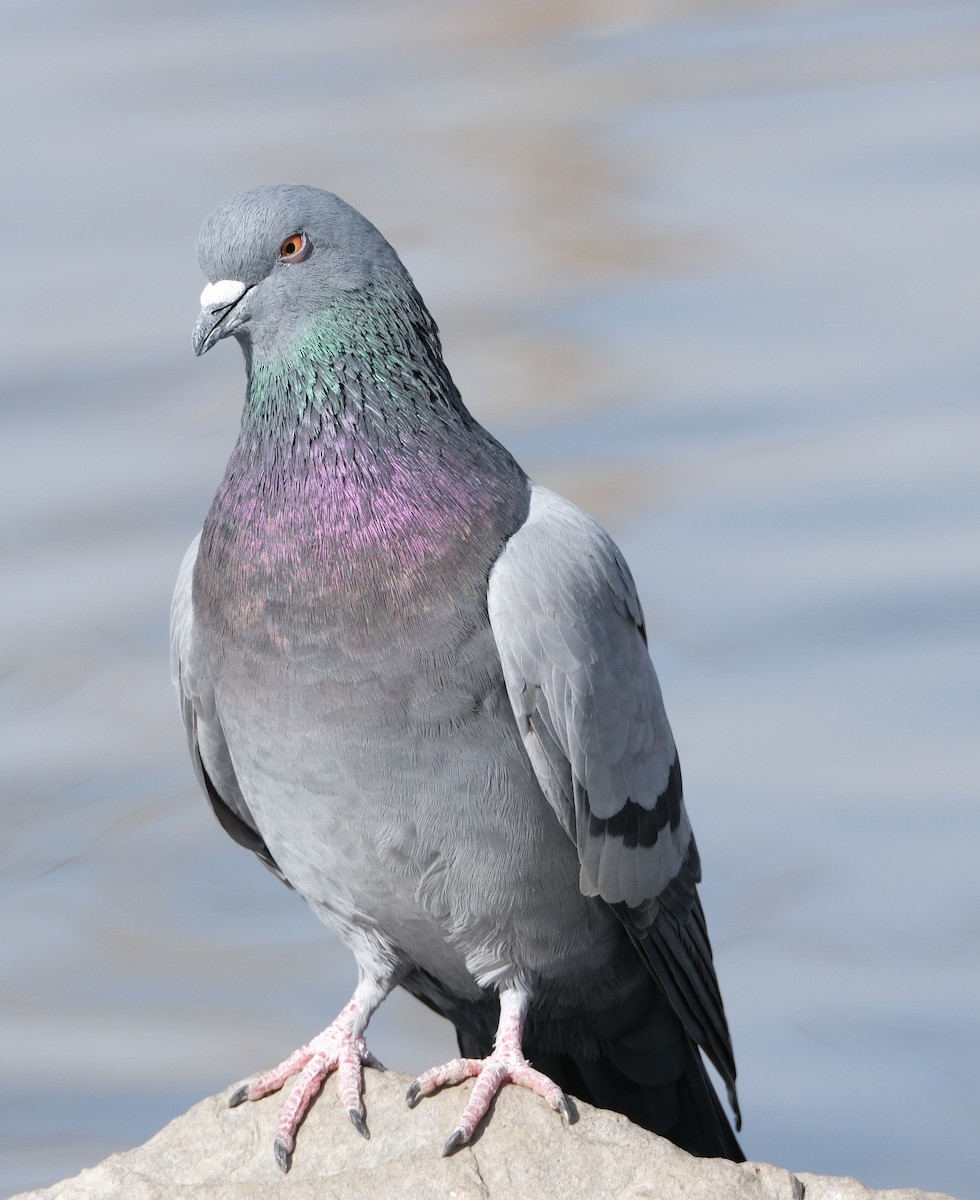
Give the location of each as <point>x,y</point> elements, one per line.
<point>338,1048</point>
<point>504,1065</point>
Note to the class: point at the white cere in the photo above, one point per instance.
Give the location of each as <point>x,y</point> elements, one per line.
<point>222,293</point>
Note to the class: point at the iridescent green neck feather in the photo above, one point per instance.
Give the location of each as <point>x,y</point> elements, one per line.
<point>371,357</point>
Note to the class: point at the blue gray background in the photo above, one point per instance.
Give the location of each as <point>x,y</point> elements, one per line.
<point>711,269</point>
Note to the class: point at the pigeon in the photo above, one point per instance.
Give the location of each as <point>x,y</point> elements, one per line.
<point>416,685</point>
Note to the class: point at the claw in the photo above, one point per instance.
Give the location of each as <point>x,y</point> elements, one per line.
<point>238,1096</point>
<point>357,1120</point>
<point>564,1106</point>
<point>456,1139</point>
<point>282,1148</point>
<point>413,1093</point>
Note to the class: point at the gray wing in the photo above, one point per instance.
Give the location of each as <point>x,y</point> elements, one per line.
<point>205,737</point>
<point>569,629</point>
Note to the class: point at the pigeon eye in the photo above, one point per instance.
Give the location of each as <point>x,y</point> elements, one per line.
<point>295,248</point>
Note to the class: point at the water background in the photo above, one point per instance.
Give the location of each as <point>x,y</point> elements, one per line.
<point>713,270</point>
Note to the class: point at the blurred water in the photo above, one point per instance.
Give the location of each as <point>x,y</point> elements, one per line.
<point>712,270</point>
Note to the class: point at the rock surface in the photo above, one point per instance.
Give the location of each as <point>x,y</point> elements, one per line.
<point>213,1152</point>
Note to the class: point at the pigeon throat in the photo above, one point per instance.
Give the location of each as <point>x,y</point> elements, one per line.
<point>369,362</point>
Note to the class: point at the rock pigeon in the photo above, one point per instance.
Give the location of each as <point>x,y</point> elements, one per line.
<point>416,685</point>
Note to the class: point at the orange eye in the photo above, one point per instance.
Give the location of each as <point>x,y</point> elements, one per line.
<point>295,248</point>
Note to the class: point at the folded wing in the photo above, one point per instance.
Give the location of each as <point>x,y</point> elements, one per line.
<point>569,629</point>
<point>205,737</point>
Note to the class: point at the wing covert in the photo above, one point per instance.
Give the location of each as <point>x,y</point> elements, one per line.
<point>569,629</point>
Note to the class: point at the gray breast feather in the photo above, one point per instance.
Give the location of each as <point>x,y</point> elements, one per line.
<point>569,630</point>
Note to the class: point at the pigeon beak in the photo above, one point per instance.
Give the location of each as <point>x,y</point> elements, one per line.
<point>220,313</point>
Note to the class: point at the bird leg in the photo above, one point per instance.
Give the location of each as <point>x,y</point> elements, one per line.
<point>341,1048</point>
<point>506,1064</point>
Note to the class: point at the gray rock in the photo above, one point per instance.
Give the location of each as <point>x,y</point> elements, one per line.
<point>216,1153</point>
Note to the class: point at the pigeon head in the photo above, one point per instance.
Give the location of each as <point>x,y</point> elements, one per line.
<point>276,256</point>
